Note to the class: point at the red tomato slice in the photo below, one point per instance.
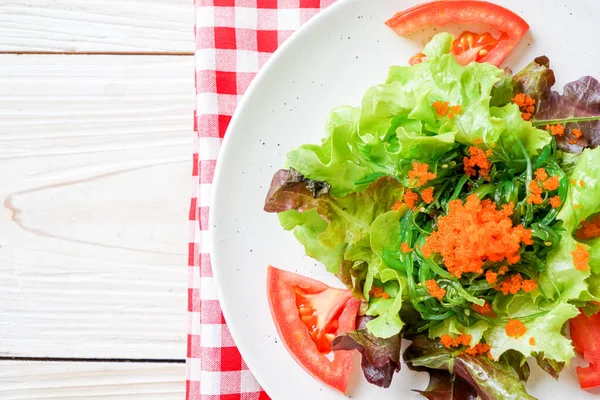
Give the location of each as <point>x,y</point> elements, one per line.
<point>308,314</point>
<point>585,333</point>
<point>440,13</point>
<point>469,47</point>
<point>589,377</point>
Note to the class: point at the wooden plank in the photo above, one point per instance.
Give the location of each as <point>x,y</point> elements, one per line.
<point>81,381</point>
<point>97,26</point>
<point>95,166</point>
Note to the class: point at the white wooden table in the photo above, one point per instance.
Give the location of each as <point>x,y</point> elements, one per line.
<point>96,101</point>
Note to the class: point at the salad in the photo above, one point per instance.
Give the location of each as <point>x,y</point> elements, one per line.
<point>460,205</point>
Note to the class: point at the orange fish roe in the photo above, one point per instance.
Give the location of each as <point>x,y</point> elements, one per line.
<point>420,174</point>
<point>577,206</point>
<point>590,229</point>
<point>474,233</point>
<point>573,181</point>
<point>410,198</point>
<point>555,202</point>
<point>478,159</point>
<point>576,135</point>
<point>515,328</point>
<point>454,110</point>
<point>478,349</point>
<point>427,195</point>
<point>526,104</point>
<point>532,341</point>
<point>512,285</point>
<point>536,193</point>
<point>434,289</point>
<point>581,257</point>
<point>491,277</point>
<point>441,107</point>
<point>503,270</point>
<point>508,209</point>
<point>462,340</point>
<point>528,285</point>
<point>581,183</point>
<point>552,183</point>
<point>397,205</point>
<point>446,341</point>
<point>478,141</point>
<point>378,293</point>
<point>541,174</point>
<point>485,309</point>
<point>405,248</point>
<point>556,130</point>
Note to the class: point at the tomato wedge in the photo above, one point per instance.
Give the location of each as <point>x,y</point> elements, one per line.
<point>469,47</point>
<point>440,13</point>
<point>308,315</point>
<point>585,333</point>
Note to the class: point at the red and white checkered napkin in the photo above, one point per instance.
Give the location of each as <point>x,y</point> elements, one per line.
<point>234,39</point>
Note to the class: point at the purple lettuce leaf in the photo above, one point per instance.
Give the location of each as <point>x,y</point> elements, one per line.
<point>489,379</point>
<point>380,357</point>
<point>445,386</point>
<point>536,80</point>
<point>578,107</point>
<point>551,367</point>
<point>290,189</point>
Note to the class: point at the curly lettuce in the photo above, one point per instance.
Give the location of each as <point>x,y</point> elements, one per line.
<point>396,122</point>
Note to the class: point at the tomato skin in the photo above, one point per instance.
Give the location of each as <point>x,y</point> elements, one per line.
<point>282,289</point>
<point>440,13</point>
<point>585,334</point>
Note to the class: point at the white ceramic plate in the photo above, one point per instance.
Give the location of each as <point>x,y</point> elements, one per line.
<point>331,61</point>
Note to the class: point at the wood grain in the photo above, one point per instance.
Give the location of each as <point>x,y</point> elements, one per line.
<point>95,163</point>
<point>82,381</point>
<point>97,26</point>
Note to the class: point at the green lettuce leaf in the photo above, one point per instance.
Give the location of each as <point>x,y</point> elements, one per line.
<point>517,363</point>
<point>544,322</point>
<point>561,279</point>
<point>307,227</point>
<point>388,322</point>
<point>504,90</point>
<point>517,130</point>
<point>451,326</point>
<point>581,202</point>
<point>332,229</point>
<point>397,124</point>
<point>336,160</point>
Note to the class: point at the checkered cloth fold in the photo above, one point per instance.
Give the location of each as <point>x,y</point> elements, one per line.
<point>234,39</point>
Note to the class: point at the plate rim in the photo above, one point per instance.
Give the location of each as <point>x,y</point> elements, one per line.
<point>228,138</point>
